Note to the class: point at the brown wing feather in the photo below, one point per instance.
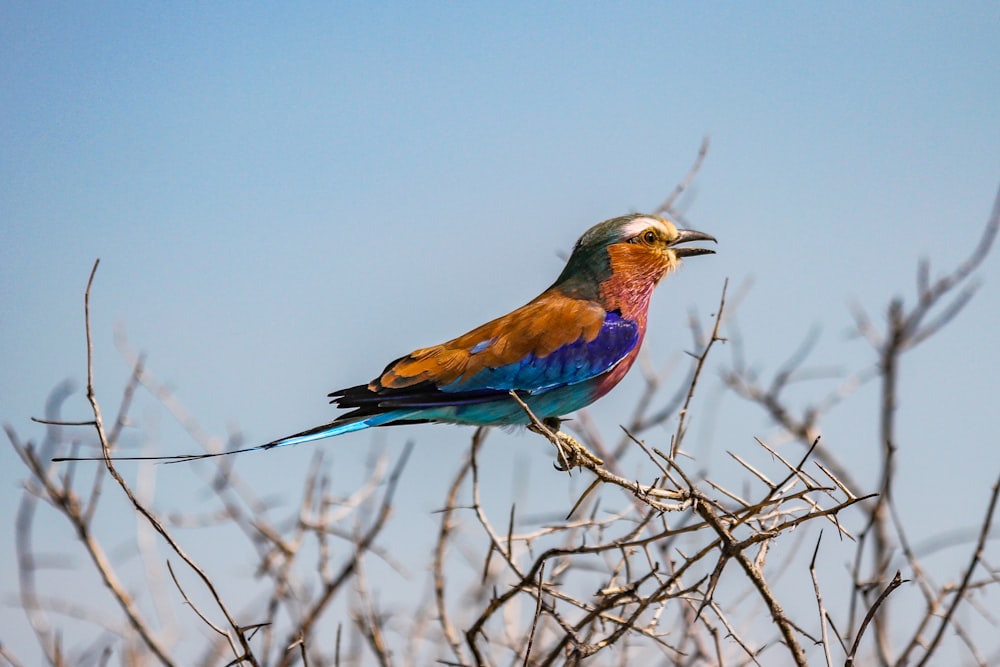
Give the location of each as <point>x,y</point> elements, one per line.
<point>540,327</point>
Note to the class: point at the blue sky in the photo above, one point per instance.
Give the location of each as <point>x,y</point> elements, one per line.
<point>284,199</point>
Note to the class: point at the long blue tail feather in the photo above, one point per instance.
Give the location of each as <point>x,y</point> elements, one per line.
<point>338,428</point>
<point>318,433</point>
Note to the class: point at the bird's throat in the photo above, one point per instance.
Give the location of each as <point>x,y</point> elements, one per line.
<point>634,275</point>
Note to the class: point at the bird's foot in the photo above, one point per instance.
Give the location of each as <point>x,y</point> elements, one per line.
<point>572,454</point>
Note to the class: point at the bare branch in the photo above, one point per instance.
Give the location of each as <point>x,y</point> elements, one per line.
<point>977,556</point>
<point>896,582</point>
<point>667,206</point>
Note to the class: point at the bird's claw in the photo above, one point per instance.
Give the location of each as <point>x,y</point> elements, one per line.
<point>572,454</point>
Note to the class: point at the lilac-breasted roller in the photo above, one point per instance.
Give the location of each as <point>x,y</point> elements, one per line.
<point>561,351</point>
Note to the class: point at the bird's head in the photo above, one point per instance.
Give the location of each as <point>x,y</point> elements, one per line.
<point>626,257</point>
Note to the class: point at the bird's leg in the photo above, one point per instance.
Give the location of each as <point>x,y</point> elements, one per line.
<point>572,453</point>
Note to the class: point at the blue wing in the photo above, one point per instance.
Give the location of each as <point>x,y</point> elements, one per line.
<point>482,398</point>
<point>570,364</point>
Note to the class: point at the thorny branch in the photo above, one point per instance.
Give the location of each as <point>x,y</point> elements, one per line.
<point>905,329</point>
<point>650,576</point>
<point>59,492</point>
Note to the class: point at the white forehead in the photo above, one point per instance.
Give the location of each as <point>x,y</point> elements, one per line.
<point>634,227</point>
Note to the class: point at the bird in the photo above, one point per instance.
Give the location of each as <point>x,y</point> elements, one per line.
<point>558,353</point>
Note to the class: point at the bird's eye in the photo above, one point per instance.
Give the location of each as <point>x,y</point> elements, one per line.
<point>649,236</point>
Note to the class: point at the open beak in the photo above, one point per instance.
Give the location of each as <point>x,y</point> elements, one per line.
<point>688,235</point>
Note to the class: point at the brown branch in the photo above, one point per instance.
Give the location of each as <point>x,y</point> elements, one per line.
<point>645,493</point>
<point>959,595</point>
<point>440,548</point>
<point>730,548</point>
<point>362,544</point>
<point>896,582</point>
<point>699,365</point>
<point>141,509</point>
<point>535,616</point>
<point>69,504</point>
<point>368,620</point>
<point>825,640</point>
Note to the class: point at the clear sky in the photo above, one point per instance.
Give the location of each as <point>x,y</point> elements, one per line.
<point>284,198</point>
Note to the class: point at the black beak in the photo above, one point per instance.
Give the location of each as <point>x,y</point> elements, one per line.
<point>687,235</point>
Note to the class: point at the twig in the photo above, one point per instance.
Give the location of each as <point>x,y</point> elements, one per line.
<point>187,601</point>
<point>145,513</point>
<point>699,365</point>
<point>440,547</point>
<point>649,494</point>
<point>535,616</point>
<point>668,203</point>
<point>896,582</point>
<point>362,544</point>
<point>825,640</point>
<point>959,595</point>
